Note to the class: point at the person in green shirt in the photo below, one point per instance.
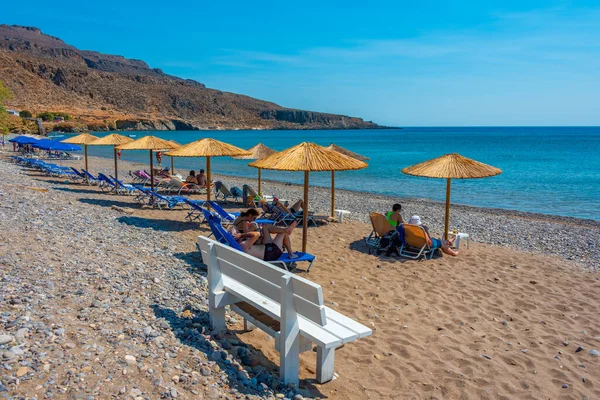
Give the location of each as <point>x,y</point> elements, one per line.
<point>394,217</point>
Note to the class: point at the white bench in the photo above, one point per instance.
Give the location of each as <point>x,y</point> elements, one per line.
<point>286,306</point>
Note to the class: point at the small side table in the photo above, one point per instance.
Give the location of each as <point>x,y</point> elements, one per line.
<point>458,237</point>
<point>341,214</point>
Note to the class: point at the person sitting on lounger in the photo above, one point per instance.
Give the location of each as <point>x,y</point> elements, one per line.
<point>433,242</point>
<point>394,217</point>
<point>245,232</point>
<point>296,208</point>
<point>192,178</point>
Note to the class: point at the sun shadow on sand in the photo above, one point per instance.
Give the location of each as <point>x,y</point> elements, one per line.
<point>76,190</point>
<point>195,332</point>
<point>193,259</point>
<point>166,225</point>
<point>360,245</point>
<point>108,203</point>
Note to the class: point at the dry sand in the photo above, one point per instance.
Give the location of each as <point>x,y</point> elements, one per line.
<point>493,323</point>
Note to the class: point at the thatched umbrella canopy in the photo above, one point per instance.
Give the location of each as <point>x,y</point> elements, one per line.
<point>207,148</point>
<point>308,157</point>
<point>148,143</point>
<point>256,153</point>
<point>451,166</point>
<point>349,153</point>
<point>84,139</point>
<point>114,140</point>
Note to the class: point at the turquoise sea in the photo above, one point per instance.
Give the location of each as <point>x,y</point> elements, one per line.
<point>550,170</point>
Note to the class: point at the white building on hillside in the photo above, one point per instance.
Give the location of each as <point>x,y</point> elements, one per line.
<point>13,112</point>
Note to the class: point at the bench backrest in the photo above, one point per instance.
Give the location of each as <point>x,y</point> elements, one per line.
<point>265,278</point>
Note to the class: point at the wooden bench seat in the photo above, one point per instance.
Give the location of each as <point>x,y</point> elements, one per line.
<point>287,307</point>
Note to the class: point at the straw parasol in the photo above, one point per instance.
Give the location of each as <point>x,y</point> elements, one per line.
<point>349,153</point>
<point>308,157</point>
<point>451,166</point>
<point>207,148</point>
<point>114,140</point>
<point>84,139</point>
<point>256,153</point>
<point>148,143</point>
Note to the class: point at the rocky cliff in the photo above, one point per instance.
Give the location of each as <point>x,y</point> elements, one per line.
<point>112,92</point>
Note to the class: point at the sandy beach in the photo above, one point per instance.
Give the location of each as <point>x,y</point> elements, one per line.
<point>104,298</point>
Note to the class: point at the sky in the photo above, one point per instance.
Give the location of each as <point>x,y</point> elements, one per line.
<point>397,63</point>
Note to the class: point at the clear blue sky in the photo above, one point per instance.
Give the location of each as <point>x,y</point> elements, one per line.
<point>400,63</point>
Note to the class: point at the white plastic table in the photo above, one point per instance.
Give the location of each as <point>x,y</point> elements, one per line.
<point>459,236</point>
<point>341,214</point>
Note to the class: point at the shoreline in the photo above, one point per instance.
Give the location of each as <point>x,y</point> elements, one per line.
<point>572,239</point>
<point>592,223</point>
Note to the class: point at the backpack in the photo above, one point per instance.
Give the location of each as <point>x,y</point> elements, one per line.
<point>390,243</point>
<point>236,191</point>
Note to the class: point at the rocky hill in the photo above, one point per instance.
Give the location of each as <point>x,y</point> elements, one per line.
<point>105,92</point>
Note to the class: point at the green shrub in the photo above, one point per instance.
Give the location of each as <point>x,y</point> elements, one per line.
<point>46,116</point>
<point>26,114</point>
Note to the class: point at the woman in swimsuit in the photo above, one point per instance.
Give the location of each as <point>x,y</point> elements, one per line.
<point>262,246</point>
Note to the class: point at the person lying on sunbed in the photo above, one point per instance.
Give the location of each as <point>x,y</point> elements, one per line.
<point>296,208</point>
<point>433,242</point>
<point>245,232</point>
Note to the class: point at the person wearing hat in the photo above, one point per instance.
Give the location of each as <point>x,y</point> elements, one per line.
<point>433,242</point>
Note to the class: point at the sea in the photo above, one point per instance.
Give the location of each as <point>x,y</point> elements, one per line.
<point>548,170</point>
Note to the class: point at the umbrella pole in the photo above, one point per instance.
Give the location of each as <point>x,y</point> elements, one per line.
<point>151,173</point>
<point>208,179</point>
<point>305,213</point>
<point>86,162</point>
<point>447,209</point>
<point>259,187</point>
<point>115,156</point>
<point>172,166</point>
<point>332,192</point>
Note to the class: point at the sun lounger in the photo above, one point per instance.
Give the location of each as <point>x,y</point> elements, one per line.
<point>228,218</point>
<point>414,242</point>
<point>222,236</point>
<point>224,194</point>
<point>169,201</point>
<point>91,179</point>
<point>196,210</point>
<point>286,216</point>
<point>381,226</point>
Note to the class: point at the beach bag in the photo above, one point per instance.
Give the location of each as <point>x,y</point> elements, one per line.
<point>389,243</point>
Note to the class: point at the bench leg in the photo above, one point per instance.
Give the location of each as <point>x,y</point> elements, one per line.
<point>325,361</point>
<point>217,318</point>
<point>289,360</point>
<point>248,326</point>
